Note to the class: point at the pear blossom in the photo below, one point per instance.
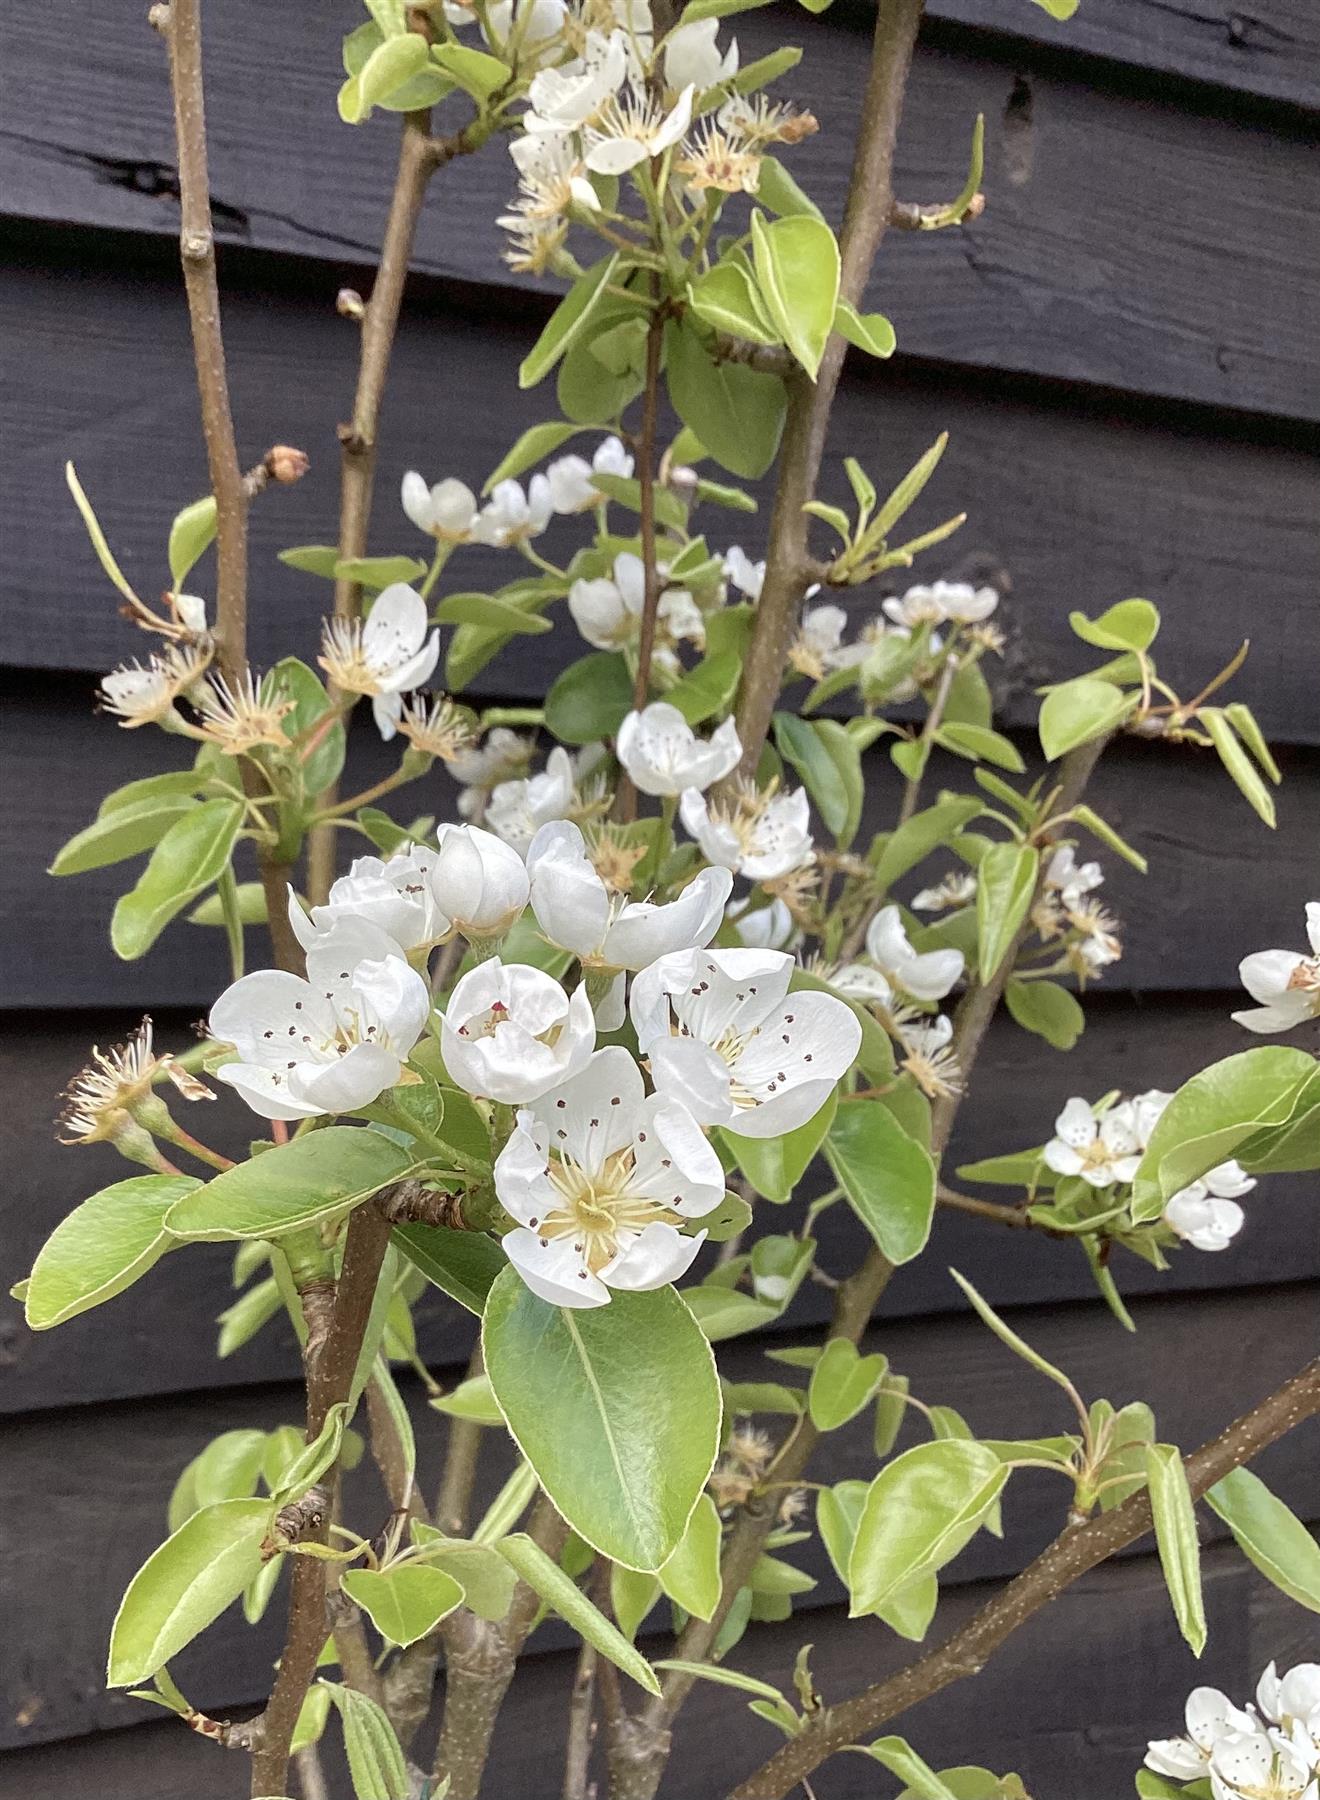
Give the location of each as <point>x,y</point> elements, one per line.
<point>1286,983</point>
<point>510,516</point>
<point>510,1032</point>
<point>1210,1716</point>
<point>860,982</point>
<point>1294,1697</point>
<point>477,881</point>
<point>552,179</point>
<point>435,726</point>
<point>385,656</point>
<point>501,755</point>
<point>574,908</point>
<point>190,611</point>
<point>739,569</point>
<point>394,896</point>
<point>818,649</point>
<point>446,511</point>
<point>100,1100</point>
<point>1264,1765</point>
<point>763,836</point>
<point>955,602</point>
<point>692,57</point>
<point>1145,1111</point>
<point>1069,879</point>
<point>600,1178</point>
<point>241,714</point>
<point>144,693</point>
<point>608,610</point>
<point>726,1038</point>
<point>564,99</point>
<point>929,1057</point>
<point>957,889</point>
<point>630,128</point>
<point>539,22</point>
<point>763,927</point>
<point>1206,1214</point>
<point>663,755</point>
<point>1101,1150</point>
<point>517,809</point>
<point>571,489</point>
<point>926,976</point>
<point>328,1044</point>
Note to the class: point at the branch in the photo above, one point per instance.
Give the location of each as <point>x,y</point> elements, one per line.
<point>329,1381</point>
<point>1079,1549</point>
<point>577,1757</point>
<point>870,201</point>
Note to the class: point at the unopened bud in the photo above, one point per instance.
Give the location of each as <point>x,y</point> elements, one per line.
<point>286,464</point>
<point>349,304</point>
<point>682,480</point>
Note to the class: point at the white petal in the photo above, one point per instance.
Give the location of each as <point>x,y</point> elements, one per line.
<point>269,1005</point>
<point>691,1072</point>
<point>266,1091</point>
<point>554,1271</point>
<point>644,931</point>
<point>1176,1758</point>
<point>655,1257</point>
<point>416,499</point>
<point>674,1161</point>
<point>1062,1158</point>
<point>521,1179</point>
<point>591,1116</point>
<point>387,710</point>
<point>395,627</point>
<point>611,1008</point>
<point>353,1080</point>
<point>615,156</point>
<point>1076,1124</point>
<point>571,902</point>
<point>418,669</point>
<point>1266,974</point>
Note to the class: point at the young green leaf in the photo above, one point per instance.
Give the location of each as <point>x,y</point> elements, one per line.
<point>562,1593</point>
<point>723,1312</point>
<point>1130,625</point>
<point>1175,1536</point>
<point>193,529</point>
<point>102,1247</point>
<point>104,554</point>
<point>1243,721</point>
<point>312,1460</point>
<point>920,1511</point>
<point>379,572</point>
<point>1078,711</point>
<point>491,613</point>
<point>842,1383</point>
<point>736,412</point>
<point>774,1166</point>
<point>568,321</point>
<point>887,1176</point>
<point>1269,1535</point>
<point>691,1577</point>
<point>708,689</point>
<point>779,193</point>
<point>293,1185</point>
<point>476,72</point>
<point>901,1759</point>
<point>590,700</point>
<point>1005,883</point>
<point>1049,1010</point>
<point>978,741</point>
<point>727,299</point>
<point>375,1760</point>
<point>405,1602</point>
<point>462,1264</point>
<point>722,1677</point>
<point>191,856</point>
<point>1238,764</point>
<point>1006,1335</point>
<point>535,444</point>
<point>871,332</point>
<point>471,1399</point>
<point>1098,827</point>
<point>486,1579</point>
<point>797,272</point>
<point>907,490</point>
<point>617,1408</point>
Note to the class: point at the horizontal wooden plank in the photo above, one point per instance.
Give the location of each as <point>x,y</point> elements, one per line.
<point>1072,272</point>
<point>1082,1687</point>
<point>1177,806</point>
<point>78,1470</point>
<point>113,1352</point>
<point>1215,526</point>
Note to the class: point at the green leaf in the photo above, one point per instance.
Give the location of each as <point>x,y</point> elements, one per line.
<point>1212,1114</point>
<point>691,1576</point>
<point>1243,721</point>
<point>392,64</point>
<point>1005,883</point>
<point>765,69</point>
<point>193,529</point>
<point>1238,764</point>
<point>723,1312</point>
<point>379,572</point>
<point>568,321</point>
<point>890,1411</point>
<point>185,1585</point>
<point>797,271</point>
<point>871,332</point>
<point>632,1596</point>
<point>227,1469</point>
<point>1049,1010</point>
<point>1059,9</point>
<point>312,559</point>
<point>375,1759</point>
<point>779,193</point>
<point>590,700</point>
<point>486,1579</point>
<point>1078,711</point>
<point>475,71</point>
<point>124,831</point>
<point>920,1511</point>
<point>1006,1335</point>
<point>907,490</point>
<point>535,444</point>
<point>727,299</point>
<point>838,1509</point>
<point>887,1176</point>
<point>1098,827</point>
<point>295,1184</point>
<point>309,1463</point>
<point>102,1247</point>
<point>774,1166</point>
<point>471,1399</point>
<point>462,1264</point>
<point>830,767</point>
<point>1131,625</point>
<point>250,898</point>
<point>617,1408</point>
<point>924,832</point>
<point>978,741</point>
<point>875,1059</point>
<point>842,1383</point>
<point>405,1602</point>
<point>104,554</point>
<point>311,703</point>
<point>736,412</point>
<point>901,1759</point>
<point>1175,1535</point>
<point>708,689</point>
<point>192,855</point>
<point>722,1677</point>
<point>1269,1535</point>
<point>491,613</point>
<point>561,1592</point>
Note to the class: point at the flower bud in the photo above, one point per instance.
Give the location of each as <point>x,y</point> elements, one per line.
<point>286,464</point>
<point>478,881</point>
<point>349,304</point>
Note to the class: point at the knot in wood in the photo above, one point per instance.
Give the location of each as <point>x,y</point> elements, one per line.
<point>409,1203</point>
<point>195,246</point>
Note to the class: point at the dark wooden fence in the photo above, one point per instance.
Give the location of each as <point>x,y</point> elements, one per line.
<point>1123,350</point>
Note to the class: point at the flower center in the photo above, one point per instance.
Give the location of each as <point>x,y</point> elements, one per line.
<point>1305,979</point>
<point>596,1206</point>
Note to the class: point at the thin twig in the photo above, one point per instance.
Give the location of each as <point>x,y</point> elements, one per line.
<point>985,1209</point>
<point>1079,1549</point>
<point>577,1756</point>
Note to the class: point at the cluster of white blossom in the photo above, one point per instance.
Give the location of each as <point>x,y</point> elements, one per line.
<point>893,977</point>
<point>599,1175</point>
<point>1106,1148</point>
<point>449,512</point>
<point>1269,1751</point>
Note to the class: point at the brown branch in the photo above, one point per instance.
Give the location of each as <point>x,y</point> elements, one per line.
<point>577,1756</point>
<point>329,1379</point>
<point>988,1209</point>
<point>1080,1548</point>
<point>870,199</point>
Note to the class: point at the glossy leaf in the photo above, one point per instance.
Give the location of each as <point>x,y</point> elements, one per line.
<point>727,299</point>
<point>871,332</point>
<point>774,1166</point>
<point>559,1591</point>
<point>1131,625</point>
<point>797,272</point>
<point>1270,1535</point>
<point>376,1765</point>
<point>293,1185</point>
<point>708,689</point>
<point>924,832</point>
<point>691,1576</point>
<point>102,1247</point>
<point>311,1461</point>
<point>736,412</point>
<point>590,700</point>
<point>193,529</point>
<point>486,1579</point>
<point>568,321</point>
<point>393,63</point>
<point>379,572</point>
<point>1047,1009</point>
<point>1005,884</point>
<point>887,1177</point>
<point>901,1759</point>
<point>921,1510</point>
<point>491,613</point>
<point>1239,765</point>
<point>476,72</point>
<point>617,1408</point>
<point>532,447</point>
<point>406,1602</point>
<point>842,1383</point>
<point>191,856</point>
<point>838,1509</point>
<point>471,1399</point>
<point>462,1264</point>
<point>979,742</point>
<point>1078,711</point>
<point>723,1312</point>
<point>1175,1535</point>
<point>779,193</point>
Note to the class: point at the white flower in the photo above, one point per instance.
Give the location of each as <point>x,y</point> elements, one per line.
<point>446,511</point>
<point>956,601</point>
<point>928,976</point>
<point>564,99</point>
<point>663,755</point>
<point>747,576</point>
<point>511,1033</point>
<point>539,22</point>
<point>600,1178</point>
<point>571,489</point>
<point>552,178</point>
<point>726,1038</point>
<point>477,881</point>
<point>693,58</point>
<point>1210,1716</point>
<point>859,981</point>
<point>1100,1150</point>
<point>956,889</point>
<point>1206,1213</point>
<point>1286,983</point>
<point>608,612</point>
<point>1069,878</point>
<point>1262,1765</point>
<point>393,897</point>
<point>1294,1697</point>
<point>144,694</point>
<point>574,909</point>
<point>764,927</point>
<point>511,516</point>
<point>1144,1110</point>
<point>763,836</point>
<point>190,612</point>
<point>819,648</point>
<point>929,1057</point>
<point>518,809</point>
<point>328,1044</point>
<point>385,657</point>
<point>500,755</point>
<point>630,128</point>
